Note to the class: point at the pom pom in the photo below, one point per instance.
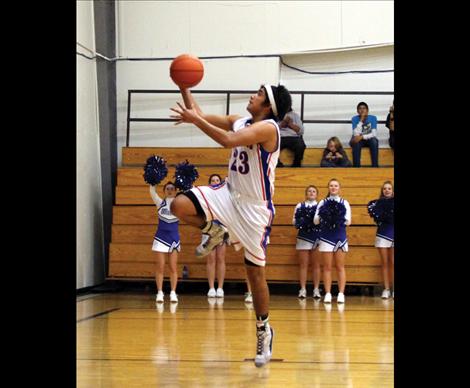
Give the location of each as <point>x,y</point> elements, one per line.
<point>185,175</point>
<point>304,218</point>
<point>332,214</point>
<point>155,170</point>
<point>382,210</point>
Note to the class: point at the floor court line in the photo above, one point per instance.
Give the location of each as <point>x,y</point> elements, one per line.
<point>98,314</point>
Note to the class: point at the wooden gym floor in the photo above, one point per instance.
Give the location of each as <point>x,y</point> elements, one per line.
<point>125,340</point>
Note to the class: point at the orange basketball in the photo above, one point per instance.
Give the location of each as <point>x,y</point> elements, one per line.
<point>186,70</point>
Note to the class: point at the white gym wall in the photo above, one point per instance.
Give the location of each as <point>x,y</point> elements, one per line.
<point>312,35</point>
<point>90,268</point>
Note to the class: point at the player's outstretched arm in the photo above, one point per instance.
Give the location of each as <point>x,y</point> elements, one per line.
<point>260,132</point>
<point>224,122</point>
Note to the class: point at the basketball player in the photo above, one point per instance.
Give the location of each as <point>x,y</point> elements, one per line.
<point>243,203</point>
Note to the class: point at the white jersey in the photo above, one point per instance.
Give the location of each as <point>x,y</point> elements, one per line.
<point>251,168</point>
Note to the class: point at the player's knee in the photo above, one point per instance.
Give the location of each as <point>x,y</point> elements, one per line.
<point>255,272</point>
<point>176,206</point>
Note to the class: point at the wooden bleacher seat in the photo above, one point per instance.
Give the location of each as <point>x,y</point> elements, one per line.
<point>285,177</point>
<point>136,156</point>
<point>135,219</point>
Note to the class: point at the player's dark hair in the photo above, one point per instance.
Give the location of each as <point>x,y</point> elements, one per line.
<point>283,102</point>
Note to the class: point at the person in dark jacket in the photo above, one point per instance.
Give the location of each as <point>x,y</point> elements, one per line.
<point>292,130</point>
<point>334,155</point>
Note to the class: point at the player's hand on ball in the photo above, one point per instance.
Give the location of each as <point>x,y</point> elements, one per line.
<point>184,115</point>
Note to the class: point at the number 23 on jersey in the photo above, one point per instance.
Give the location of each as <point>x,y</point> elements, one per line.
<point>240,163</point>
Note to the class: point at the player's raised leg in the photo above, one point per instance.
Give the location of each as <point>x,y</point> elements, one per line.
<point>187,208</point>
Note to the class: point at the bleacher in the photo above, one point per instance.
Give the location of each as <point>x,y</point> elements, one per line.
<point>135,218</point>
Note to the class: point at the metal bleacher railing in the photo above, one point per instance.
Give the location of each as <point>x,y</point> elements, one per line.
<point>228,93</point>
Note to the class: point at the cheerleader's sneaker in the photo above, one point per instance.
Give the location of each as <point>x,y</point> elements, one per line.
<point>159,298</point>
<point>248,297</point>
<point>219,293</point>
<point>386,294</point>
<point>316,293</point>
<point>327,298</point>
<point>340,298</point>
<point>212,293</point>
<point>173,297</point>
<point>302,293</point>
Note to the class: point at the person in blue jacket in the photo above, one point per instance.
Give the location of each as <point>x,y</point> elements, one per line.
<point>364,128</point>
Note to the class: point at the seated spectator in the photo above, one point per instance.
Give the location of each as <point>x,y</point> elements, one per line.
<point>334,155</point>
<point>364,135</point>
<point>391,126</point>
<point>292,129</point>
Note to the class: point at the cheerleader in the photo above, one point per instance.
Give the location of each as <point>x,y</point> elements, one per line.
<point>382,212</point>
<point>217,256</point>
<point>333,214</point>
<point>166,241</point>
<point>307,241</point>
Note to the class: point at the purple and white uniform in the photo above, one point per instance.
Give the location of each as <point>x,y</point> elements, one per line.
<point>333,240</point>
<point>306,241</point>
<point>385,237</point>
<point>167,237</point>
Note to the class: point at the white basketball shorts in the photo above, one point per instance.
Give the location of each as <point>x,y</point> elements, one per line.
<point>248,220</point>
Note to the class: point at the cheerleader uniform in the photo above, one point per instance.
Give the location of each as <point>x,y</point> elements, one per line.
<point>333,240</point>
<point>167,237</point>
<point>385,237</point>
<point>306,240</point>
